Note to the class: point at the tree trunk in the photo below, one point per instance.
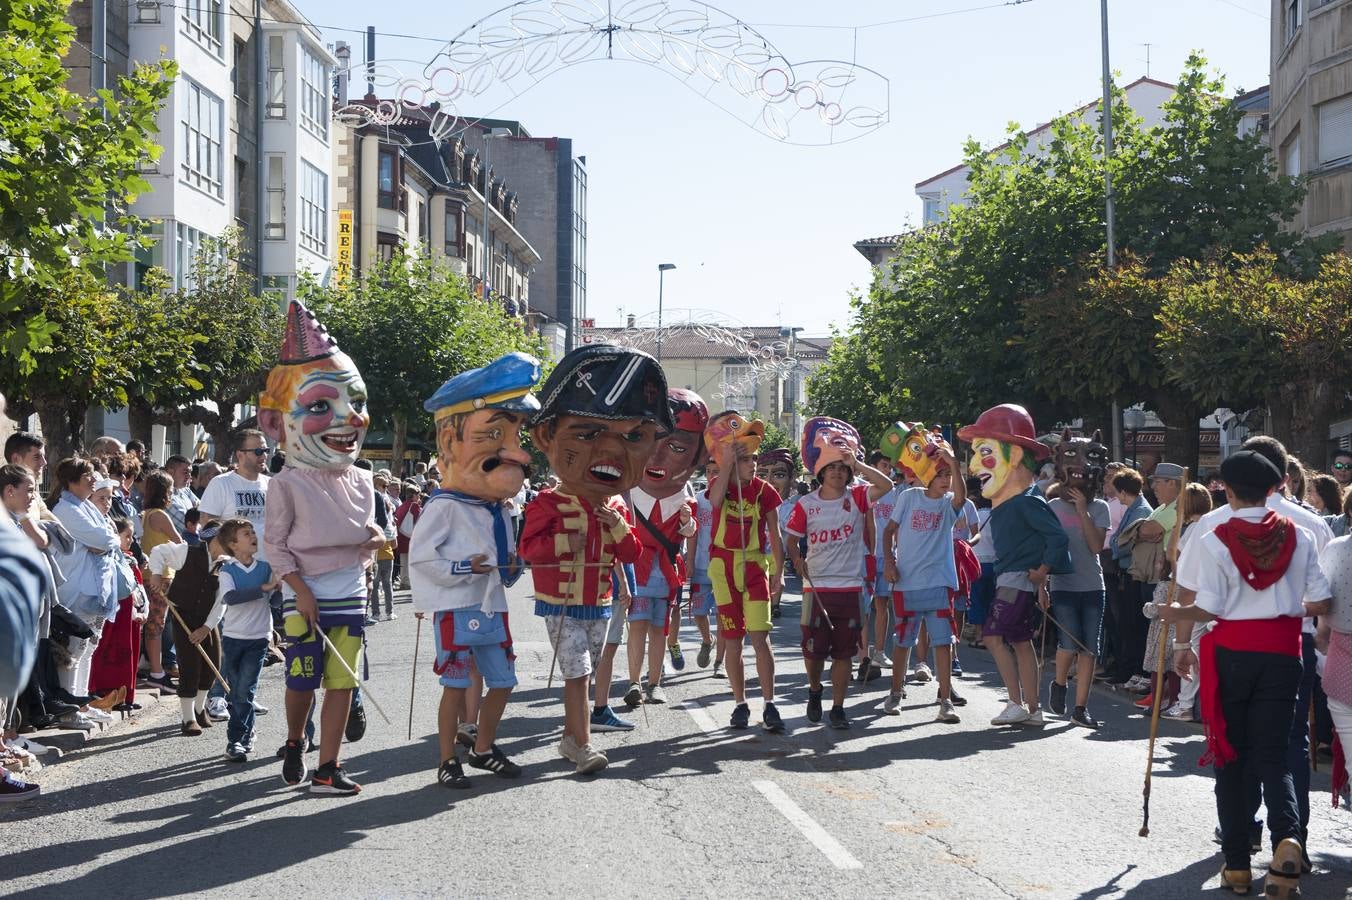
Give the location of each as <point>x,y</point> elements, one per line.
<point>140,419</point>
<point>397,444</point>
<point>1301,413</point>
<point>221,429</point>
<point>1182,442</point>
<point>63,424</point>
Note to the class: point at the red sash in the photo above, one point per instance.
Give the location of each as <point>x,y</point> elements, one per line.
<point>1280,635</point>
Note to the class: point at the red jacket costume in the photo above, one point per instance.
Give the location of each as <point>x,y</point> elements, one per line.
<point>550,518</point>
<point>654,553</point>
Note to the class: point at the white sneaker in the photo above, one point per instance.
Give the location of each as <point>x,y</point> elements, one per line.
<point>218,709</point>
<point>589,760</point>
<point>1034,719</point>
<point>880,660</point>
<point>1013,714</point>
<point>568,748</point>
<point>78,721</point>
<point>96,715</point>
<point>32,746</point>
<point>1137,683</point>
<point>1180,711</point>
<point>947,713</point>
<point>391,617</point>
<point>656,694</point>
<point>923,673</point>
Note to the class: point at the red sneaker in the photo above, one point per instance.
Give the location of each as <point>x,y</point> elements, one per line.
<point>1146,702</point>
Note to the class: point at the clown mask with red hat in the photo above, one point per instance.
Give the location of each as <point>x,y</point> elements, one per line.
<point>1005,451</point>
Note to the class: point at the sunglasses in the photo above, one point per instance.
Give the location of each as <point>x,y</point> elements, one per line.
<point>260,452</point>
<point>1341,466</point>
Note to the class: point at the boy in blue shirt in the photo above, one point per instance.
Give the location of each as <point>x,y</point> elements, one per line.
<point>244,587</point>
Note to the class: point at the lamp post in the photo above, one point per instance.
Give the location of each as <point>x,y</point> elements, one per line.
<point>1134,419</point>
<point>486,253</point>
<point>662,269</point>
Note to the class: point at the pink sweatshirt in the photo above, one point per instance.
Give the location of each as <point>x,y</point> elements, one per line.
<point>316,520</point>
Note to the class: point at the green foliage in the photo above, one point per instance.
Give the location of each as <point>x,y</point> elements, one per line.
<point>1005,301</point>
<point>67,172</point>
<point>410,324</point>
<point>776,438</point>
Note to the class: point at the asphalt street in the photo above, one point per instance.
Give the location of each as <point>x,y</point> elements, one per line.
<point>897,805</point>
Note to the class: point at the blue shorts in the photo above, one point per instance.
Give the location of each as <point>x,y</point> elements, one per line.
<point>468,636</point>
<point>1079,614</point>
<point>652,601</point>
<point>702,601</point>
<point>960,603</point>
<point>930,606</point>
<point>882,588</point>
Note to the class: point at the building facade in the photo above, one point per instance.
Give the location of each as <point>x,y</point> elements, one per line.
<point>1311,107</point>
<point>405,191</point>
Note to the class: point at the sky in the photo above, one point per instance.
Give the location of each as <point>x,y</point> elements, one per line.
<point>762,232</point>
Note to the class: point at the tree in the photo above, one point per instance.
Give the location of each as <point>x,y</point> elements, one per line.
<point>67,171</point>
<point>946,329</point>
<point>410,323</point>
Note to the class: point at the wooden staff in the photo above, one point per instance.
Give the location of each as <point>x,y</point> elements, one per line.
<point>413,682</point>
<point>1159,669</point>
<point>206,657</point>
<point>342,662</point>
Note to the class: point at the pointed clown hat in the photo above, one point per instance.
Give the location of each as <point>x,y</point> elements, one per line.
<point>305,340</point>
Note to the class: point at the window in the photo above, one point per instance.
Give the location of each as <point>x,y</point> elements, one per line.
<point>203,21</point>
<point>276,76</point>
<point>452,247</point>
<point>201,125</point>
<point>239,73</point>
<point>1291,156</point>
<point>314,209</point>
<point>386,246</point>
<point>277,287</point>
<point>420,220</point>
<point>188,245</point>
<point>274,228</point>
<point>1335,131</point>
<point>314,95</point>
<point>148,12</point>
<point>148,257</point>
<point>932,211</point>
<point>739,388</point>
<point>1291,17</point>
<point>386,182</point>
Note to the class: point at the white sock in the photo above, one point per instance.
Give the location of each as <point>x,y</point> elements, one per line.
<point>188,712</point>
<point>200,702</point>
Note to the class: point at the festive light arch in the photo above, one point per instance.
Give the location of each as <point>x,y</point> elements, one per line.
<point>726,61</point>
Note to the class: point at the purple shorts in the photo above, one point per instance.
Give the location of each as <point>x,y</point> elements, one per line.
<point>1011,616</point>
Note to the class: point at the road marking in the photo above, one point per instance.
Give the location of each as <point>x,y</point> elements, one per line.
<point>831,848</point>
<point>702,718</point>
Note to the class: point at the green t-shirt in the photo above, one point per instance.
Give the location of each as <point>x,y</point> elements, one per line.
<point>1165,516</point>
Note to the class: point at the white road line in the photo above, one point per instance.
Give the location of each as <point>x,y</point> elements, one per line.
<point>831,848</point>
<point>702,718</point>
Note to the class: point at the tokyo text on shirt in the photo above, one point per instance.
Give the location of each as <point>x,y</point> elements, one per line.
<point>835,532</point>
<point>231,495</point>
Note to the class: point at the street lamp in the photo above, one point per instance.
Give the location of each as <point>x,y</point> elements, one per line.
<point>662,269</point>
<point>1134,419</point>
<point>485,254</point>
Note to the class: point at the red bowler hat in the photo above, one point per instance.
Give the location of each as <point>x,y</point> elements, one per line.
<point>1007,423</point>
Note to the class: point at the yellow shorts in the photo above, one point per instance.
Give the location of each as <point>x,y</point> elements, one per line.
<point>310,664</point>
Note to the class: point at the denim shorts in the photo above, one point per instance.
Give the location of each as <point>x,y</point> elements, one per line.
<point>702,597</point>
<point>1079,616</point>
<point>652,601</point>
<point>494,659</point>
<point>935,611</point>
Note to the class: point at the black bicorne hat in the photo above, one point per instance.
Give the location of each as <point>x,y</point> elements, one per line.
<point>606,382</point>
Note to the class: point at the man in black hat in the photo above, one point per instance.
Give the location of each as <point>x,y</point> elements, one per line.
<point>601,411</point>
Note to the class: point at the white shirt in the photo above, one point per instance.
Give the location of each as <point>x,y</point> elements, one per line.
<point>249,621</point>
<point>1317,528</point>
<point>231,495</point>
<point>448,535</point>
<point>835,537</point>
<point>180,501</point>
<point>642,502</point>
<point>1209,570</point>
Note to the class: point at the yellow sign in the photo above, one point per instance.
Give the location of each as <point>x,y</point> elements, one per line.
<point>343,262</point>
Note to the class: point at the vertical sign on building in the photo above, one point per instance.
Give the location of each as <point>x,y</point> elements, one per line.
<point>587,326</point>
<point>343,261</point>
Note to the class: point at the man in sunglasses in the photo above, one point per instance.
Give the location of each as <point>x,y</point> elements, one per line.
<point>1342,468</point>
<point>241,493</point>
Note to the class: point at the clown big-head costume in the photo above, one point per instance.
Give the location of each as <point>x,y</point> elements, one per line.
<point>912,449</point>
<point>314,404</point>
<point>827,440</point>
<point>1005,451</point>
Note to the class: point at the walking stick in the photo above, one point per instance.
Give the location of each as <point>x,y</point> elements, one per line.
<point>206,658</point>
<point>413,681</point>
<point>342,662</point>
<point>1159,669</point>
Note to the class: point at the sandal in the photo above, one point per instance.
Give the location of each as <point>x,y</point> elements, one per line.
<point>494,761</point>
<point>451,774</point>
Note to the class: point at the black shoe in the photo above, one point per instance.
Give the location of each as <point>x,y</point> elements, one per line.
<point>330,778</point>
<point>293,763</point>
<point>955,697</point>
<point>1082,718</point>
<point>771,720</point>
<point>494,761</point>
<point>741,716</point>
<point>451,774</point>
<point>814,705</point>
<point>1255,838</point>
<point>863,669</point>
<point>356,725</point>
<point>1057,700</point>
<point>164,682</point>
<point>775,611</point>
<point>56,708</point>
<point>837,718</point>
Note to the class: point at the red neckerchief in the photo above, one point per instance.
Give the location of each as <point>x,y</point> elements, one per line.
<point>1261,550</point>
